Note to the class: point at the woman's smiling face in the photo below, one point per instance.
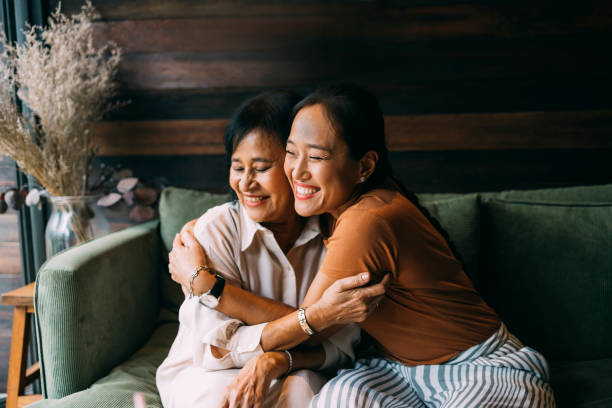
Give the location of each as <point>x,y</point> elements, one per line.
<point>320,170</point>
<point>257,178</point>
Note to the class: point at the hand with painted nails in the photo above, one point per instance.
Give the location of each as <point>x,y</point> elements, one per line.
<point>348,300</point>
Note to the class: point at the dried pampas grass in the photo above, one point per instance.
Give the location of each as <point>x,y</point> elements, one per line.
<point>66,83</point>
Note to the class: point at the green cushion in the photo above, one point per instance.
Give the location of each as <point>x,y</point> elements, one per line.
<point>549,274</point>
<point>582,384</point>
<point>438,196</point>
<point>176,207</point>
<point>179,205</point>
<point>580,194</point>
<point>137,374</point>
<point>459,216</point>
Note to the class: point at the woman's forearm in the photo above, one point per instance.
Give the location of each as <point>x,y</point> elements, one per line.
<point>241,304</point>
<point>286,332</point>
<point>187,253</point>
<point>308,358</point>
<point>332,304</point>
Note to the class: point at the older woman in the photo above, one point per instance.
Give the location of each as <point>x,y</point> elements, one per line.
<point>264,257</point>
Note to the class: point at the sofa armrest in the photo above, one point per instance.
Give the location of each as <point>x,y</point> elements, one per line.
<point>96,304</point>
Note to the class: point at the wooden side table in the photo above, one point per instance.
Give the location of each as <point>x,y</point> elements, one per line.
<point>19,375</point>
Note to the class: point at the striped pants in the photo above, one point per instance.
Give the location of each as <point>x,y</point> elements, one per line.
<point>498,373</point>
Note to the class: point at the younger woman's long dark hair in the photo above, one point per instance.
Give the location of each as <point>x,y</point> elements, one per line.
<point>269,112</point>
<point>355,115</point>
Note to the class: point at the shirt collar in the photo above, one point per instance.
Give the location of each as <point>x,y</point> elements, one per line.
<point>249,228</point>
<point>311,230</point>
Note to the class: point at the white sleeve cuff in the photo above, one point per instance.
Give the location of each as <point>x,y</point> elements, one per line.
<point>246,344</point>
<point>208,327</point>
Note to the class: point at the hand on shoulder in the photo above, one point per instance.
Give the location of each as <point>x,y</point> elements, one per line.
<point>347,300</point>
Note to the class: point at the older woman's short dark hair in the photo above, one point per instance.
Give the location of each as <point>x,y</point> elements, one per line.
<point>268,112</point>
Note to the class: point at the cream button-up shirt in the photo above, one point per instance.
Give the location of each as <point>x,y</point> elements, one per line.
<point>248,256</point>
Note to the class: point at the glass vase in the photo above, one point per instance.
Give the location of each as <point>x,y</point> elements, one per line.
<point>73,220</point>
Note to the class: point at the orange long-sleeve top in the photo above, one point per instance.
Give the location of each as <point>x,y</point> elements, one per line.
<point>431,311</point>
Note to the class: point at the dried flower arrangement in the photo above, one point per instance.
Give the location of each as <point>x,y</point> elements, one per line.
<point>66,83</point>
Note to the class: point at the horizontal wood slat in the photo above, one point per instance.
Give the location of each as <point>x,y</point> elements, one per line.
<point>23,296</point>
<point>528,10</point>
<point>167,137</point>
<point>382,25</point>
<point>517,95</point>
<point>501,131</point>
<point>391,64</point>
<point>421,171</point>
<point>493,131</point>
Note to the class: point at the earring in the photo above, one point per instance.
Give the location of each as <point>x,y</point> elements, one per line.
<point>362,179</point>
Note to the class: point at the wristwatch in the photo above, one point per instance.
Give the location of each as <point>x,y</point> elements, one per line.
<point>211,298</point>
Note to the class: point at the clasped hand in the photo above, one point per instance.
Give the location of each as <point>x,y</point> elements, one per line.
<point>347,300</point>
<point>186,255</point>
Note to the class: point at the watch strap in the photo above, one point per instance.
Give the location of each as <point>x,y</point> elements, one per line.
<point>217,288</point>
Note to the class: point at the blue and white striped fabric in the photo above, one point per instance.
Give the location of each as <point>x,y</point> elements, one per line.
<point>499,372</point>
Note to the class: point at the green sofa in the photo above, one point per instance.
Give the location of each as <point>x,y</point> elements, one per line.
<point>106,310</point>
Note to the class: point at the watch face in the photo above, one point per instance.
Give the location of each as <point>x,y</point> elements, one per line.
<point>209,300</point>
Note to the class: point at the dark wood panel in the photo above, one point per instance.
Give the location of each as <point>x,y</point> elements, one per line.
<point>175,137</point>
<point>469,171</point>
<point>495,131</point>
<point>501,131</point>
<point>390,64</point>
<point>394,25</point>
<point>493,95</point>
<point>207,172</point>
<point>530,12</point>
<point>429,171</point>
<point>147,9</point>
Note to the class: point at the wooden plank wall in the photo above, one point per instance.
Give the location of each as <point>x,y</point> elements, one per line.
<point>478,95</point>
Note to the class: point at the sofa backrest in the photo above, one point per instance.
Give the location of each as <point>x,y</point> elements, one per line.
<point>542,259</point>
<point>459,215</point>
<point>547,270</point>
<point>534,288</point>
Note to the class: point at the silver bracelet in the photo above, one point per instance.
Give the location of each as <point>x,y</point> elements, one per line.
<point>304,323</point>
<point>290,361</point>
<point>194,275</point>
